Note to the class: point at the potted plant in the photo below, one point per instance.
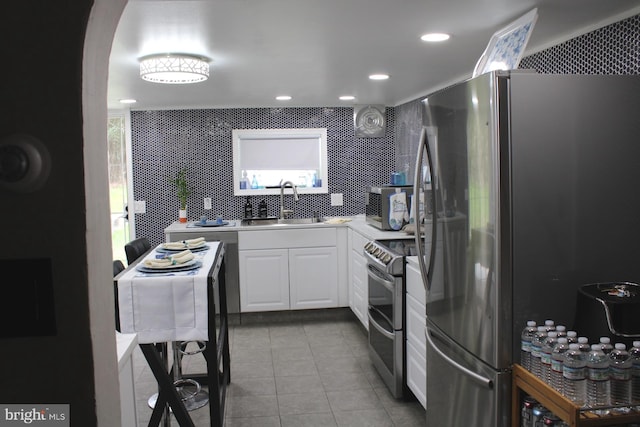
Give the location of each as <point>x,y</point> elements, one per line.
<point>183,191</point>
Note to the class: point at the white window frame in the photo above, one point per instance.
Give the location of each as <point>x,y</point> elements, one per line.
<point>271,137</point>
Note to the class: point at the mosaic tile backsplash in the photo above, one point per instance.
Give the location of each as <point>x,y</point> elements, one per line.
<point>164,141</point>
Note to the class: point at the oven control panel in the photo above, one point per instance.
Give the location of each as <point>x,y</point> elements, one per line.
<point>378,253</point>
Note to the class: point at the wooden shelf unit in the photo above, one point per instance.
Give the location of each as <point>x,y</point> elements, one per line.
<point>555,402</point>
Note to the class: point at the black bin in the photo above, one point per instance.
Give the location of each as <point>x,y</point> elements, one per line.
<point>609,309</point>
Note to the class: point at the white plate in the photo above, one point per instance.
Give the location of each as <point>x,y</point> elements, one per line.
<point>170,266</point>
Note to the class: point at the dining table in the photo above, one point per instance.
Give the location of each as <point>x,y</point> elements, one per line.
<point>168,303</point>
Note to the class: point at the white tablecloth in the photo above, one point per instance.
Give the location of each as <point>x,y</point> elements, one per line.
<point>163,307</point>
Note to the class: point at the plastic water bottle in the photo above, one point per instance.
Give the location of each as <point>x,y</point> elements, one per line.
<point>606,345</point>
<point>551,420</point>
<point>620,370</point>
<point>557,360</point>
<point>583,343</point>
<point>561,330</point>
<point>634,354</point>
<point>574,375</point>
<point>572,337</point>
<point>549,325</point>
<point>538,412</point>
<point>525,344</point>
<point>598,384</point>
<point>526,413</point>
<point>536,349</point>
<point>545,356</point>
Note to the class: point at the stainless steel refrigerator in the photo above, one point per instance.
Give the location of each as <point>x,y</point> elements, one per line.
<point>533,183</point>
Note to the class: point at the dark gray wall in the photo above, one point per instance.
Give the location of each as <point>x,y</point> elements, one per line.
<point>42,96</point>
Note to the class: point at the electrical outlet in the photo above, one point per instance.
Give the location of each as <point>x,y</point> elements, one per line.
<point>207,203</point>
<point>140,206</point>
<point>337,199</point>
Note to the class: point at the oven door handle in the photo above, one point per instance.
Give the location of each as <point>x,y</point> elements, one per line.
<point>379,328</point>
<point>381,314</point>
<point>379,278</point>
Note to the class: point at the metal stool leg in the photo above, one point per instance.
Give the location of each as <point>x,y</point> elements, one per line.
<point>198,398</point>
<point>192,399</point>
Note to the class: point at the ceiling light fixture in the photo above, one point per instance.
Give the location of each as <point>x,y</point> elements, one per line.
<point>347,98</point>
<point>379,76</point>
<point>174,68</point>
<point>283,98</point>
<point>128,101</point>
<point>435,37</point>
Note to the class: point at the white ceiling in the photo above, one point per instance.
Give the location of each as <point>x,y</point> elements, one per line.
<point>317,50</point>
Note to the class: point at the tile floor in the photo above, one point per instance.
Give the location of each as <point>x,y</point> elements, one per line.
<point>296,374</point>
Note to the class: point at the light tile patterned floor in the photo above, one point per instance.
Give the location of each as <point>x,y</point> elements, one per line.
<point>311,373</point>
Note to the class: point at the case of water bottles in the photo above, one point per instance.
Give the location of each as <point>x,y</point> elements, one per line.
<point>600,379</point>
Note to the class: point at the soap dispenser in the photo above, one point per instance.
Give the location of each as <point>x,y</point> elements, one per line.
<point>262,209</point>
<point>248,209</point>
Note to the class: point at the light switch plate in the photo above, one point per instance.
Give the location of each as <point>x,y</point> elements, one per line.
<point>140,206</point>
<point>207,203</point>
<point>337,199</point>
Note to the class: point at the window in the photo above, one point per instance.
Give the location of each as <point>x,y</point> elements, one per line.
<point>117,155</point>
<point>263,158</point>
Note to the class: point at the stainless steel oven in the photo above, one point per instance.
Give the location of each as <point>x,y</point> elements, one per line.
<point>386,284</point>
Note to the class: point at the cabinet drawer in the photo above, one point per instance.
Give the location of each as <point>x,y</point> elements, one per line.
<point>285,239</point>
<point>417,374</point>
<point>415,287</point>
<point>416,322</point>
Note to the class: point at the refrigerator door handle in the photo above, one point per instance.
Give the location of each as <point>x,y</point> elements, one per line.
<point>426,273</point>
<point>479,378</point>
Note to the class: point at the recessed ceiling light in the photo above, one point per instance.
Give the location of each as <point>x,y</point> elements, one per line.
<point>347,98</point>
<point>128,101</point>
<point>435,37</point>
<point>283,98</point>
<point>379,76</point>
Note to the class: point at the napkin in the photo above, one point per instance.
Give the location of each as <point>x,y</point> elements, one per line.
<point>185,244</point>
<point>175,259</point>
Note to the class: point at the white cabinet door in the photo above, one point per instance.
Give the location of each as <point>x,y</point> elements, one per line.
<point>313,277</point>
<point>358,286</point>
<point>417,374</point>
<point>415,324</point>
<point>360,289</point>
<point>264,280</point>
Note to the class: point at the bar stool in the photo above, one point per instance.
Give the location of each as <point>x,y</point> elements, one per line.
<point>136,248</point>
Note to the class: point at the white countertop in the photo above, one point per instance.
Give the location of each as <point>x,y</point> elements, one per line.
<point>125,344</point>
<point>356,223</point>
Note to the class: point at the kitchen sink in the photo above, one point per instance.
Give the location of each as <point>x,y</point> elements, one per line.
<point>279,221</point>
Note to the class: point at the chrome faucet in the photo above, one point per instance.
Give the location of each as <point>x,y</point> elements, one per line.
<point>295,197</point>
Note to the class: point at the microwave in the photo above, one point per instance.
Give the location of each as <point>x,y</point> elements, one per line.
<point>377,204</point>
